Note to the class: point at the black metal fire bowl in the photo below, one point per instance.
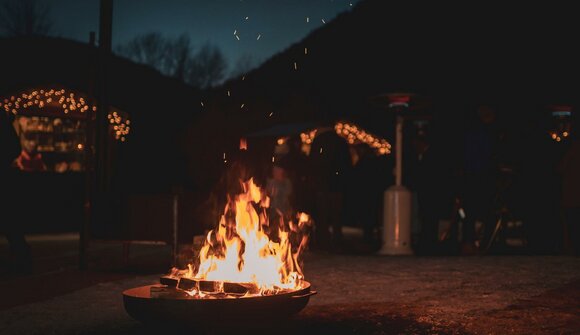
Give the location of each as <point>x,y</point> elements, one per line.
<point>203,313</point>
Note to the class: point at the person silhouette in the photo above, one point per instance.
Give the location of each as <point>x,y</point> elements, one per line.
<point>569,168</point>
<point>479,169</point>
<point>30,160</point>
<point>9,151</point>
<point>331,163</point>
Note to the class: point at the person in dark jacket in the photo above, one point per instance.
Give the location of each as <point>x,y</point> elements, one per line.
<point>479,169</point>
<point>9,151</point>
<point>331,165</point>
<point>429,178</point>
<point>569,167</point>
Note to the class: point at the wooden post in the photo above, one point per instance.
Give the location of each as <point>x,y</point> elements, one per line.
<point>96,131</point>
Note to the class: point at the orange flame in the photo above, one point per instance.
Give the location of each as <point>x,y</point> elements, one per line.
<point>240,251</point>
<point>243,143</point>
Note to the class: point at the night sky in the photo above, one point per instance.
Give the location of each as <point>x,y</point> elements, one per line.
<point>279,22</point>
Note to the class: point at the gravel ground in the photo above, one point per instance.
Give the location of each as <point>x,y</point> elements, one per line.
<point>364,295</point>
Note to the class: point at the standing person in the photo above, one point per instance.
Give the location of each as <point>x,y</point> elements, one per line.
<point>298,170</point>
<point>331,165</point>
<point>279,189</point>
<point>541,217</point>
<point>368,185</point>
<point>9,151</point>
<point>428,181</point>
<point>479,170</point>
<point>30,160</point>
<point>569,168</point>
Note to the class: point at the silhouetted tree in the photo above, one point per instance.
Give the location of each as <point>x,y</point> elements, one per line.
<point>24,18</point>
<point>157,51</point>
<point>208,67</point>
<point>179,53</point>
<point>175,58</point>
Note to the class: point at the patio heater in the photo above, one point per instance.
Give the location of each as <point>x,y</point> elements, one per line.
<point>397,198</point>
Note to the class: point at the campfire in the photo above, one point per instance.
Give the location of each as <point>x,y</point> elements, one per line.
<point>246,254</point>
<point>249,263</point>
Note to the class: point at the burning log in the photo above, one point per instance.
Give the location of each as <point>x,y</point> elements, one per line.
<point>187,284</point>
<point>208,286</point>
<point>169,281</point>
<point>240,288</point>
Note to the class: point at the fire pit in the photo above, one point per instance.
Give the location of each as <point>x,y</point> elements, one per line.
<point>246,269</point>
<point>194,312</point>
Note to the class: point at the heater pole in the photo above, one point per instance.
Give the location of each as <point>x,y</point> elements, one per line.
<point>399,152</point>
<point>397,199</point>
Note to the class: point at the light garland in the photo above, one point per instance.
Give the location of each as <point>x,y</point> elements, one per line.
<point>352,134</point>
<point>307,138</point>
<point>119,125</point>
<point>65,101</point>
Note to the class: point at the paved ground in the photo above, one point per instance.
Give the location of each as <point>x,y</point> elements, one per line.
<point>357,294</point>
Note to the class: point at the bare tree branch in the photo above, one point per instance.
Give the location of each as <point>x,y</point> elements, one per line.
<point>149,49</point>
<point>179,53</point>
<point>25,18</point>
<point>175,58</point>
<point>208,67</point>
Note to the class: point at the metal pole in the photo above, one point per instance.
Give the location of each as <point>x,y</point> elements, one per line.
<point>399,152</point>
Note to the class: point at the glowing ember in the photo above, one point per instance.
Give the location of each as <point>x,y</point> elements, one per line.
<point>248,251</point>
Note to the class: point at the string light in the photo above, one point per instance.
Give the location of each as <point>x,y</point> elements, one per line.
<point>353,135</point>
<point>307,138</point>
<point>65,101</point>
